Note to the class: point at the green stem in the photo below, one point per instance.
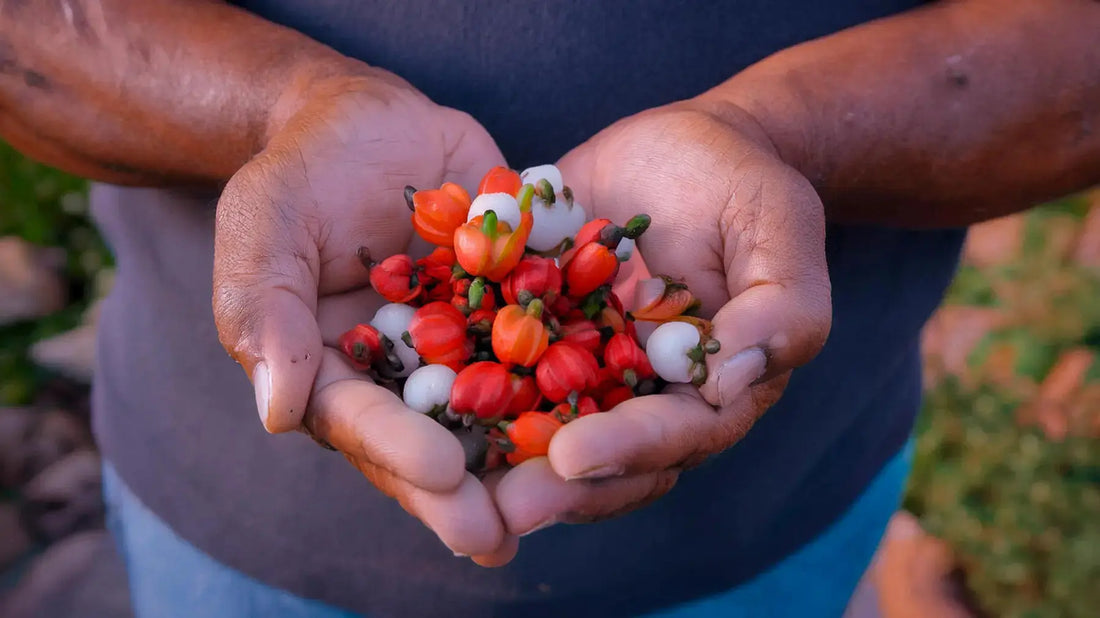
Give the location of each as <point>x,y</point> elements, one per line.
<point>636,226</point>
<point>525,196</point>
<point>630,377</point>
<point>476,293</point>
<point>489,224</point>
<point>534,309</point>
<point>545,191</point>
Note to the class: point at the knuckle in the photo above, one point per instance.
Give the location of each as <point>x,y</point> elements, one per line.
<point>813,321</point>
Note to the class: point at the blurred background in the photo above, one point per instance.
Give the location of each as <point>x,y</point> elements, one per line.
<point>1001,518</point>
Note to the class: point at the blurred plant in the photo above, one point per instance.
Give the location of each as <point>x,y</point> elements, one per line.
<point>1021,508</point>
<point>1021,511</point>
<point>49,208</point>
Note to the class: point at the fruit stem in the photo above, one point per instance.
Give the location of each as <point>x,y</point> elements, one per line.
<point>595,302</point>
<point>476,293</point>
<point>698,374</point>
<point>636,226</point>
<point>630,377</point>
<point>358,349</point>
<point>534,309</point>
<point>545,191</point>
<point>489,224</point>
<point>695,354</point>
<point>525,196</point>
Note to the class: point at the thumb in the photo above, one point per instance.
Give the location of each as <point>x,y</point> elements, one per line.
<point>780,308</point>
<point>266,268</point>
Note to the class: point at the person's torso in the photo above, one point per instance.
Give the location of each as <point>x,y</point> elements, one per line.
<point>176,416</point>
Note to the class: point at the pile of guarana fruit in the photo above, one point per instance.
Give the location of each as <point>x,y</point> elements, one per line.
<point>510,327</point>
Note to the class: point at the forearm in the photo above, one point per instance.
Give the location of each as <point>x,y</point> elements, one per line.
<point>149,91</point>
<point>942,116</point>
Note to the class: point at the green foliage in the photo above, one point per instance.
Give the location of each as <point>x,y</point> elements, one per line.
<point>1022,512</point>
<point>973,287</point>
<point>47,208</point>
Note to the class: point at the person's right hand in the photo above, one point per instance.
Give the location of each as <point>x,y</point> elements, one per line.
<point>287,283</point>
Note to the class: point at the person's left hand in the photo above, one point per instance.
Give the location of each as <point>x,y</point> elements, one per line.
<point>746,232</point>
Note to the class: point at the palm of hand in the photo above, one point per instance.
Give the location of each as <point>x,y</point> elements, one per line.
<point>288,282</point>
<point>746,233</point>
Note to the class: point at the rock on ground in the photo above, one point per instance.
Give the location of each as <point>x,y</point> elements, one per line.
<point>32,440</point>
<point>14,540</point>
<point>80,577</point>
<point>65,498</point>
<point>31,284</point>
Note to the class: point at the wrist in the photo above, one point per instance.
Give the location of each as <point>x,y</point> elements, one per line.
<point>323,80</point>
<point>769,107</point>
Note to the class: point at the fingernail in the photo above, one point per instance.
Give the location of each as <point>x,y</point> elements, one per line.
<point>543,525</point>
<point>738,372</point>
<point>261,382</point>
<point>598,472</point>
<point>458,555</point>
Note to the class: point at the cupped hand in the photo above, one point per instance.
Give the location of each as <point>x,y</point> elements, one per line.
<point>746,233</point>
<point>287,283</point>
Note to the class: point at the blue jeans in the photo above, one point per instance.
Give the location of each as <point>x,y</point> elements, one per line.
<point>170,578</point>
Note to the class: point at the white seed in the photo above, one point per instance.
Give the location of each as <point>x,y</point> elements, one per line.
<point>505,206</point>
<point>551,173</point>
<point>554,223</point>
<point>392,320</point>
<point>667,350</point>
<point>429,387</point>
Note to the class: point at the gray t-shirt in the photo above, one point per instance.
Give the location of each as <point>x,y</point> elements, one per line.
<point>177,418</point>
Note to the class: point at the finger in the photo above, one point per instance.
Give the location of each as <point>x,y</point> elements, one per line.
<point>465,520</point>
<point>532,496</point>
<point>369,423</point>
<point>674,429</point>
<point>510,545</point>
<point>501,556</point>
<point>774,235</point>
<point>265,294</point>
